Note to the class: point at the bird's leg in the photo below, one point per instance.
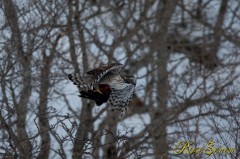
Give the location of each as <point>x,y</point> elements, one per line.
<point>97,89</point>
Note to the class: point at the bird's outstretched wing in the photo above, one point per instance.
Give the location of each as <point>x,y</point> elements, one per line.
<point>120,99</point>
<point>94,76</point>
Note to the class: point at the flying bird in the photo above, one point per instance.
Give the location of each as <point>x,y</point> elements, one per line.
<point>105,83</point>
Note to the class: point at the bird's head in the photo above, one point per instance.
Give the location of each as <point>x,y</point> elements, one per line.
<point>130,79</point>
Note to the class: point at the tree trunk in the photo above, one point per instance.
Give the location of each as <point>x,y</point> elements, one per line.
<point>159,126</point>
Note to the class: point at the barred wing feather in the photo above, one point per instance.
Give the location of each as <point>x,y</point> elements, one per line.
<point>92,77</point>
<point>120,99</point>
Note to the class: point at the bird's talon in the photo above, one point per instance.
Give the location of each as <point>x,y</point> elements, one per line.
<point>97,90</point>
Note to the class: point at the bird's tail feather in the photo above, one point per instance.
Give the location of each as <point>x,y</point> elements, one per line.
<point>83,82</point>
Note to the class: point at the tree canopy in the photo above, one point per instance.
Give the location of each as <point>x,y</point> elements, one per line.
<point>185,55</point>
